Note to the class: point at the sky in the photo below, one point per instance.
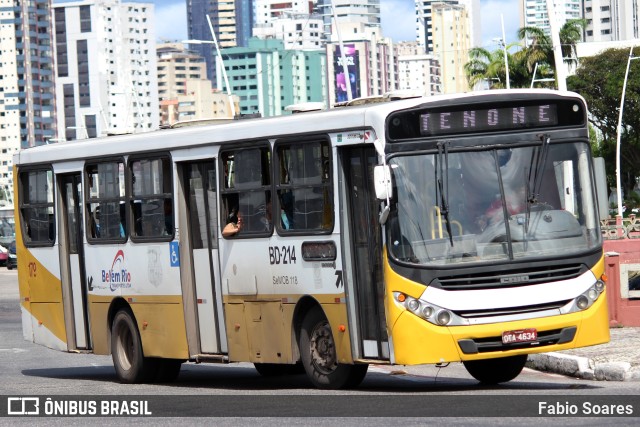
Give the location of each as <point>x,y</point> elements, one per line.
<point>397,20</point>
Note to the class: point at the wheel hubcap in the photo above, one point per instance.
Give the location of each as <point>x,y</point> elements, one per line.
<point>323,349</point>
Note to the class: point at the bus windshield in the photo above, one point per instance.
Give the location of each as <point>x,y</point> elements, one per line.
<point>500,204</point>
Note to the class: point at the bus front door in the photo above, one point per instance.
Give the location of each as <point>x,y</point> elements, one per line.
<point>365,248</point>
<point>74,285</point>
<point>198,218</point>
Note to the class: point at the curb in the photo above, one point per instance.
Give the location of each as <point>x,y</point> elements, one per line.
<point>582,367</point>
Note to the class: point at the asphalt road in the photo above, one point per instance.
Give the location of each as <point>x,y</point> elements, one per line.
<point>237,395</point>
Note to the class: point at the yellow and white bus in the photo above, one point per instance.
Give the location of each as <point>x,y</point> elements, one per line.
<point>419,231</point>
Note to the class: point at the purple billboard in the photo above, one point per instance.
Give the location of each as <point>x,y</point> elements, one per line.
<point>351,56</point>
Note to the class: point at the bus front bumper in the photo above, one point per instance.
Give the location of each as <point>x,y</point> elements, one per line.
<point>416,341</point>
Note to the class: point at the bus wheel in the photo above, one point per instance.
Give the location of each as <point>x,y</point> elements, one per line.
<point>277,369</point>
<point>319,358</point>
<point>126,351</point>
<point>494,371</point>
<point>168,370</point>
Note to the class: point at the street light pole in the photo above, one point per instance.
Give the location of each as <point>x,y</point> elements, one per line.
<point>557,48</point>
<point>504,47</point>
<point>215,43</point>
<point>624,89</point>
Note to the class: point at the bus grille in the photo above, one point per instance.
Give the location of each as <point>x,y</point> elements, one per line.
<point>471,314</point>
<point>512,278</point>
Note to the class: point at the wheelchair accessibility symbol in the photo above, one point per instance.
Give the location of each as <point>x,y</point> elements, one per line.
<point>174,254</point>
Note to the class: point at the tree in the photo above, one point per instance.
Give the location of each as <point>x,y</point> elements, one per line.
<point>489,66</point>
<point>599,80</point>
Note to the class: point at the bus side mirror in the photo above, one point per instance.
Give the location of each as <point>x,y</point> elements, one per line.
<point>382,182</point>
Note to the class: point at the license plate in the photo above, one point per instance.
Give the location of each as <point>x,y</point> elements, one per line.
<point>521,335</point>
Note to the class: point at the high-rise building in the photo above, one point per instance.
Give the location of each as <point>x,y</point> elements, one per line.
<point>533,13</point>
<point>268,10</point>
<point>451,44</point>
<point>418,72</point>
<point>27,107</point>
<point>611,20</point>
<point>267,78</point>
<point>177,65</point>
<point>183,88</point>
<point>27,101</point>
<point>106,63</point>
<point>232,22</point>
<point>371,63</point>
<point>298,31</point>
<point>424,21</point>
<point>365,12</point>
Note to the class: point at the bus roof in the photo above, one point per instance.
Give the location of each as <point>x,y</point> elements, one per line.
<point>337,119</point>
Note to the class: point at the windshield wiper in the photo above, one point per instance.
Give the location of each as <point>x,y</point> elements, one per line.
<point>443,184</point>
<point>536,170</point>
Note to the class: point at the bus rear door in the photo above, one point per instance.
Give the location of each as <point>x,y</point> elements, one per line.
<point>72,270</point>
<point>200,268</point>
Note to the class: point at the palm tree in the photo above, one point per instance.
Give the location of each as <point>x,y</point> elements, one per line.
<point>541,48</point>
<point>489,66</point>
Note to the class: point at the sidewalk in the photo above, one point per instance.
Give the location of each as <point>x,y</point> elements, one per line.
<point>618,360</point>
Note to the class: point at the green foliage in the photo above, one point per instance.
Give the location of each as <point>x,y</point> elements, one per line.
<point>485,65</point>
<point>599,79</point>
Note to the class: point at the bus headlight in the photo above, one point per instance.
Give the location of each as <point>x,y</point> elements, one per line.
<point>430,312</point>
<point>582,302</point>
<point>413,305</point>
<point>443,317</point>
<point>599,286</point>
<point>427,312</point>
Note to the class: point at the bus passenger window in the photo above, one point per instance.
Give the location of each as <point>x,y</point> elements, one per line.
<point>152,198</point>
<point>105,202</point>
<point>304,186</point>
<point>246,192</point>
<point>36,207</point>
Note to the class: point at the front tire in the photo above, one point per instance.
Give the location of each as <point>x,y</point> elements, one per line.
<point>495,371</point>
<point>126,351</point>
<point>319,357</point>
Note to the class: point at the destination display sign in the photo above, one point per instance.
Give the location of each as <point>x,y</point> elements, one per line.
<point>499,115</point>
<point>488,119</point>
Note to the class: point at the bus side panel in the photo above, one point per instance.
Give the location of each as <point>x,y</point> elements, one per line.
<point>144,276</point>
<point>238,340</point>
<point>40,294</point>
<point>161,325</point>
<point>48,322</point>
<point>269,334</point>
<point>337,317</point>
<point>99,321</point>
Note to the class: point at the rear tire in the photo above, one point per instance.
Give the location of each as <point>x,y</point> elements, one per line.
<point>126,351</point>
<point>319,358</point>
<point>495,371</point>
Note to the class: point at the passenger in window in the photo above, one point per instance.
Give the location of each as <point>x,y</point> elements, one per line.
<point>286,212</point>
<point>168,217</point>
<point>95,223</point>
<point>234,224</point>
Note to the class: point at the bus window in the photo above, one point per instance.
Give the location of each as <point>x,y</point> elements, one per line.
<point>151,198</point>
<point>105,202</point>
<point>36,207</point>
<point>303,184</point>
<point>246,192</point>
